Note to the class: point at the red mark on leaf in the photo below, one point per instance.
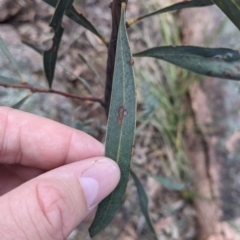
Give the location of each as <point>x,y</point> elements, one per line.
<point>122,112</point>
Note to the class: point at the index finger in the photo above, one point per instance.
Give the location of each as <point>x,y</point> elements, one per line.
<point>34,141</point>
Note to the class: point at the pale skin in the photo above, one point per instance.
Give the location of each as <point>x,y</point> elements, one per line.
<point>51,177</point>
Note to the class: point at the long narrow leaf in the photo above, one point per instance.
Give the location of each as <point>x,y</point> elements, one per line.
<point>213,62</point>
<point>21,102</point>
<point>231,8</point>
<point>61,8</point>
<point>50,56</point>
<point>121,127</point>
<point>5,50</point>
<point>177,6</point>
<point>31,45</point>
<point>77,17</point>
<point>143,200</point>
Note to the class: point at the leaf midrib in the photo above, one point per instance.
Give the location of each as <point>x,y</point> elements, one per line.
<point>123,84</point>
<point>234,3</point>
<point>179,55</point>
<point>120,138</point>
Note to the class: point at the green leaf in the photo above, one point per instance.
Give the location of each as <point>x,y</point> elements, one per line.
<point>143,200</point>
<point>177,6</point>
<point>121,127</point>
<point>50,56</point>
<point>231,8</point>
<point>21,102</point>
<point>31,45</point>
<point>5,50</point>
<point>213,62</point>
<point>61,8</point>
<point>77,17</point>
<point>170,183</point>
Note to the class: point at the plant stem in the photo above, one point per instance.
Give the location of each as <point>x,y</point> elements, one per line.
<point>42,90</point>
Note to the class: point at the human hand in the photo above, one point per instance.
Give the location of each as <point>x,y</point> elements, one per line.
<point>51,177</point>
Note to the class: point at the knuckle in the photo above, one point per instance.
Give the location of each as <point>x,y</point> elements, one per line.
<point>54,207</point>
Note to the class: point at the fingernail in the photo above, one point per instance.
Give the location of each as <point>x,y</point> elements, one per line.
<point>99,180</point>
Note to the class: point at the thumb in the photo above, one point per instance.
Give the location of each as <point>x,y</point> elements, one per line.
<point>53,204</point>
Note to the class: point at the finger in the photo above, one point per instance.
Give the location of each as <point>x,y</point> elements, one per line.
<point>53,204</point>
<point>90,215</point>
<point>12,176</point>
<point>38,142</point>
<point>8,180</point>
<point>25,173</point>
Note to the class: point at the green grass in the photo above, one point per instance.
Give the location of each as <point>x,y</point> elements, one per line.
<point>162,92</point>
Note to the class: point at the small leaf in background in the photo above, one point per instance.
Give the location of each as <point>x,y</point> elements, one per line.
<point>86,127</point>
<point>11,81</point>
<point>77,17</point>
<point>89,65</point>
<point>169,183</point>
<point>121,127</point>
<point>5,50</point>
<point>50,56</point>
<point>66,69</point>
<point>231,8</point>
<point>21,102</point>
<point>6,80</point>
<point>143,200</point>
<point>212,62</point>
<point>92,68</point>
<point>177,6</point>
<point>82,80</point>
<point>31,45</point>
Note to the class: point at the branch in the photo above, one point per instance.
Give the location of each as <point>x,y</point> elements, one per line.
<point>42,90</point>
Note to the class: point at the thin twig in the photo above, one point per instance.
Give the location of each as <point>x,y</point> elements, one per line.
<point>42,90</point>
